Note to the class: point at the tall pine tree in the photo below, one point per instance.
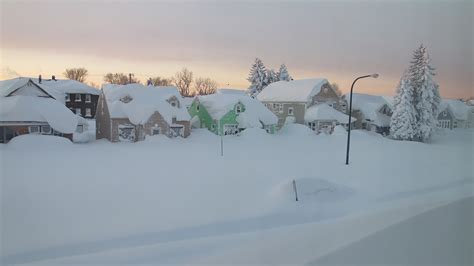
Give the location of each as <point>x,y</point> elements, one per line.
<point>283,73</point>
<point>257,78</point>
<point>271,76</point>
<point>426,93</point>
<point>403,124</point>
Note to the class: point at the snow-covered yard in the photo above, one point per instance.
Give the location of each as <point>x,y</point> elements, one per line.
<point>178,201</point>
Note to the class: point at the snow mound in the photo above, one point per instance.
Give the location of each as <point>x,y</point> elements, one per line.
<point>254,132</point>
<point>38,142</point>
<point>295,130</point>
<point>312,189</point>
<point>339,130</point>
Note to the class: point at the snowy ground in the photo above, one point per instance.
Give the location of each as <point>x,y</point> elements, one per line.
<point>178,201</point>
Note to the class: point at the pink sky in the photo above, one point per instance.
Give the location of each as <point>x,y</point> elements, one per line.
<point>336,40</point>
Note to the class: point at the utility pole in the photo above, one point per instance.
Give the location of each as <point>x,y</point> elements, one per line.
<point>130,78</point>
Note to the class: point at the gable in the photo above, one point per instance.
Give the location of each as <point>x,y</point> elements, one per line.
<point>30,89</point>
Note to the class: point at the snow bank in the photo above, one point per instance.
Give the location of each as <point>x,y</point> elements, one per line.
<point>339,131</point>
<point>312,189</point>
<point>47,142</point>
<point>292,91</point>
<point>295,130</point>
<point>323,111</point>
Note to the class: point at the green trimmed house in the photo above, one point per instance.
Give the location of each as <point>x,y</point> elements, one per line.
<point>225,113</point>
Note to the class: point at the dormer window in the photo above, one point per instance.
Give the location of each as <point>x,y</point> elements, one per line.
<point>126,99</point>
<point>77,98</point>
<point>173,101</point>
<point>238,108</point>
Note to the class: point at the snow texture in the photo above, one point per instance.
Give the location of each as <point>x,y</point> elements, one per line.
<point>323,111</point>
<point>144,102</point>
<point>369,106</point>
<point>292,91</point>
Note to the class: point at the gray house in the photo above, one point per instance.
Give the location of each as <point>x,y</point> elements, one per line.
<point>372,112</point>
<point>289,100</point>
<point>454,114</point>
<point>128,113</point>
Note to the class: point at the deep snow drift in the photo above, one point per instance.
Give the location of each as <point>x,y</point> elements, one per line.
<point>178,201</point>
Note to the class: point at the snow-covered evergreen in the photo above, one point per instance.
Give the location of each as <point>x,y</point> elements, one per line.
<point>419,92</point>
<point>257,78</point>
<point>426,92</point>
<point>283,73</point>
<point>403,125</point>
<point>272,76</point>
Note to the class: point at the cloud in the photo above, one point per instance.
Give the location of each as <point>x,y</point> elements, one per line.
<point>8,73</point>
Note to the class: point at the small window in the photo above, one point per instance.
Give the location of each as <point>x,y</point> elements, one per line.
<point>88,98</point>
<point>290,110</point>
<point>80,128</point>
<point>155,130</point>
<point>45,129</point>
<point>88,112</point>
<point>68,97</point>
<point>275,106</point>
<point>213,126</point>
<point>78,111</point>
<point>34,129</point>
<point>238,108</point>
<point>173,103</point>
<point>77,98</point>
<point>197,107</point>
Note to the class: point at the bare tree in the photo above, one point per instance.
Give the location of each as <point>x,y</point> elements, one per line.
<point>94,85</point>
<point>78,74</point>
<point>159,81</point>
<point>183,81</point>
<point>205,86</point>
<point>336,88</point>
<point>120,78</point>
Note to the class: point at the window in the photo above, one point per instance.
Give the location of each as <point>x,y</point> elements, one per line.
<point>88,98</point>
<point>155,130</point>
<point>78,98</point>
<point>68,97</point>
<point>197,107</point>
<point>78,111</point>
<point>173,103</point>
<point>290,110</point>
<point>213,126</point>
<point>45,129</point>
<point>238,108</point>
<point>34,129</point>
<point>80,128</point>
<point>88,112</point>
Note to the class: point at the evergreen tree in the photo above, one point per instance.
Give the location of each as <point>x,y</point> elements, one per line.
<point>271,77</point>
<point>426,93</point>
<point>403,124</point>
<point>257,78</point>
<point>283,73</point>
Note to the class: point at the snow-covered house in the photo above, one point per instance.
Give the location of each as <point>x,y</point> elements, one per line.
<point>229,113</point>
<point>454,114</point>
<point>80,98</point>
<point>289,100</point>
<point>130,112</point>
<point>323,118</point>
<point>372,112</point>
<point>28,108</point>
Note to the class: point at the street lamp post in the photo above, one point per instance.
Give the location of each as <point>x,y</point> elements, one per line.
<point>350,113</point>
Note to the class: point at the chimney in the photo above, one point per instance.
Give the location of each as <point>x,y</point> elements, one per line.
<point>53,78</point>
<point>129,78</point>
<point>39,79</point>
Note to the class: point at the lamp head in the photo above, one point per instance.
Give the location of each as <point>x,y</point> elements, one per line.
<point>375,75</point>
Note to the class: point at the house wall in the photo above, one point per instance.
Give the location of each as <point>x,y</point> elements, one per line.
<point>327,95</point>
<point>72,104</point>
<point>205,118</point>
<point>298,111</point>
<point>446,115</point>
<point>156,120</point>
<point>228,119</point>
<point>103,122</point>
<point>115,122</point>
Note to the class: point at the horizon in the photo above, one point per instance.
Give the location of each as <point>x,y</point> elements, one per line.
<point>333,40</point>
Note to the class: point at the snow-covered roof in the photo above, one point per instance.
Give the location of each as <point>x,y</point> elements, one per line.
<point>10,85</point>
<point>38,109</point>
<point>68,86</point>
<point>370,105</point>
<point>292,91</point>
<point>188,101</point>
<point>458,108</point>
<point>323,111</point>
<point>145,101</point>
<point>219,104</point>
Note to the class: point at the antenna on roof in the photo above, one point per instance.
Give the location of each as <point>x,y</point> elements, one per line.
<point>39,79</point>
